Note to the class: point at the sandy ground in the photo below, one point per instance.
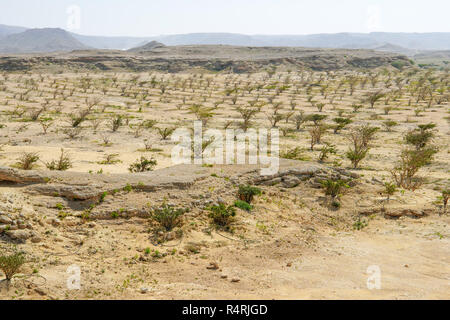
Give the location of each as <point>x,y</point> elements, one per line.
<point>289,247</point>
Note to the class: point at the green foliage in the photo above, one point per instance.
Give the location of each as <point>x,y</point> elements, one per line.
<point>326,150</point>
<point>165,132</point>
<point>27,160</point>
<point>62,164</point>
<point>10,264</point>
<point>168,216</point>
<point>293,154</point>
<point>316,118</point>
<point>404,173</point>
<point>399,64</point>
<point>421,136</point>
<point>360,224</point>
<point>222,215</point>
<point>103,196</point>
<point>341,123</point>
<point>389,189</point>
<point>360,138</point>
<point>243,205</point>
<point>334,188</point>
<point>389,124</point>
<point>116,122</point>
<point>247,192</point>
<point>110,158</point>
<point>143,164</point>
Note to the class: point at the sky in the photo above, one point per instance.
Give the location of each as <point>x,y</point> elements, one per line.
<point>157,17</point>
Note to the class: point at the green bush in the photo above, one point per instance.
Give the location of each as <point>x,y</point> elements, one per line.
<point>410,162</point>
<point>334,188</point>
<point>293,154</point>
<point>246,193</point>
<point>62,164</point>
<point>420,137</point>
<point>222,215</point>
<point>27,160</point>
<point>243,205</point>
<point>168,216</point>
<point>10,264</point>
<point>143,164</point>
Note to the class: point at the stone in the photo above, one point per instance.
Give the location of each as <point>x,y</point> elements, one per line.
<point>36,239</point>
<point>20,235</point>
<point>143,290</point>
<point>171,236</point>
<point>5,219</point>
<point>213,266</point>
<point>271,182</point>
<point>291,181</point>
<point>56,222</point>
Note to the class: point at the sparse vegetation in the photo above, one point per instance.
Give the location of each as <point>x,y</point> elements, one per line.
<point>62,164</point>
<point>222,216</point>
<point>168,216</point>
<point>143,164</point>
<point>247,193</point>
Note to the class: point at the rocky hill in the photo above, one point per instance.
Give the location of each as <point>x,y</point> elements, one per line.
<point>40,41</point>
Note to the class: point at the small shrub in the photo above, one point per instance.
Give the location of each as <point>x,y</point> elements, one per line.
<point>62,164</point>
<point>360,139</point>
<point>326,150</point>
<point>143,164</point>
<point>359,224</point>
<point>293,154</point>
<point>11,264</point>
<point>114,214</point>
<point>168,216</point>
<point>222,215</point>
<point>316,133</point>
<point>165,132</point>
<point>316,118</point>
<point>421,136</point>
<point>243,205</point>
<point>110,158</point>
<point>389,189</point>
<point>116,122</point>
<point>341,123</point>
<point>404,174</point>
<point>246,193</point>
<point>334,188</point>
<point>389,124</point>
<point>27,160</point>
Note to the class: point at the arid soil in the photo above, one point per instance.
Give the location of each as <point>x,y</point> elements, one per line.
<point>297,242</point>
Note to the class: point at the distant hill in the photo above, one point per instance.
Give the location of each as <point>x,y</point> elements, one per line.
<point>147,47</point>
<point>388,47</point>
<point>40,40</point>
<point>383,41</point>
<point>8,30</point>
<point>414,41</point>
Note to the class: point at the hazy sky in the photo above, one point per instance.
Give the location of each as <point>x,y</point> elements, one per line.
<point>154,17</point>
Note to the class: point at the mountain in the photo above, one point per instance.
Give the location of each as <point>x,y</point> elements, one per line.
<point>389,47</point>
<point>40,40</point>
<point>415,41</point>
<point>19,39</point>
<point>147,47</point>
<point>8,30</point>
